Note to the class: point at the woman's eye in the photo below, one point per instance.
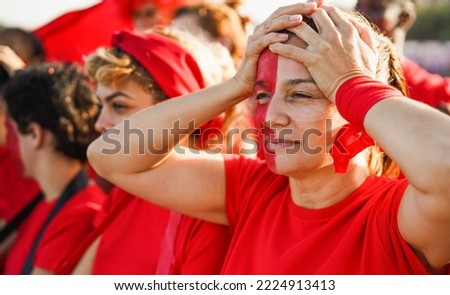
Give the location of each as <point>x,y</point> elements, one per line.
<point>300,95</point>
<point>118,107</point>
<point>262,97</point>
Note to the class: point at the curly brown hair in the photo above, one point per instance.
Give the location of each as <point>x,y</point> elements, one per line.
<point>59,99</point>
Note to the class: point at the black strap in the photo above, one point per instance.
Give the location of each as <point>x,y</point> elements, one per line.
<point>79,182</point>
<point>20,217</point>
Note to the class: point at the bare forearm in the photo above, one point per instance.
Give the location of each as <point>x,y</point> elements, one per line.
<point>417,137</point>
<point>142,141</point>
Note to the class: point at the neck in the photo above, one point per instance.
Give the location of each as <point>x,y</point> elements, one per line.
<point>324,188</point>
<point>54,178</point>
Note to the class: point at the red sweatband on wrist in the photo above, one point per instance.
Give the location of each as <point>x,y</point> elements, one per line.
<point>357,95</point>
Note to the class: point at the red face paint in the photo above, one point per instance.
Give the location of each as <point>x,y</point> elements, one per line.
<point>265,81</point>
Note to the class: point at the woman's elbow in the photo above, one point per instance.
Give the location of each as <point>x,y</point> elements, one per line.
<point>95,157</point>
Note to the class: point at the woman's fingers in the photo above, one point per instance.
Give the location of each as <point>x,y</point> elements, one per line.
<point>277,24</point>
<point>342,46</point>
<point>299,8</point>
<point>268,33</point>
<point>337,17</point>
<point>290,51</point>
<point>306,33</point>
<point>366,34</point>
<point>322,20</point>
<point>259,44</point>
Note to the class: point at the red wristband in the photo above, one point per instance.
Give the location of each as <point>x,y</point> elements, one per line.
<point>357,95</point>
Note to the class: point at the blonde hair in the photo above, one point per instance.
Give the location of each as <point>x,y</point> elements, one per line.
<point>113,67</point>
<point>390,71</point>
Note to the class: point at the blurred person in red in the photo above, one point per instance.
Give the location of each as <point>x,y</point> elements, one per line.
<point>18,195</point>
<point>149,13</point>
<point>394,18</point>
<point>214,22</point>
<point>53,111</point>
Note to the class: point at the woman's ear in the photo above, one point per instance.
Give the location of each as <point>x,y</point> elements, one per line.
<point>407,16</point>
<point>37,135</point>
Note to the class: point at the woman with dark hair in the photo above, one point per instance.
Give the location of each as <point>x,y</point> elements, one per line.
<point>53,110</point>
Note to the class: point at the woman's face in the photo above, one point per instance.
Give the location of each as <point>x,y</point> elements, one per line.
<point>297,120</point>
<point>119,103</point>
<point>385,14</point>
<point>147,16</point>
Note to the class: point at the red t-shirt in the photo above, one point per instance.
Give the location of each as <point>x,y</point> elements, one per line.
<point>131,243</point>
<point>272,235</point>
<point>424,86</point>
<point>67,229</point>
<point>200,247</point>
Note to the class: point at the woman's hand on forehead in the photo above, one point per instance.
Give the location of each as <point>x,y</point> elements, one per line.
<point>268,33</point>
<point>343,48</point>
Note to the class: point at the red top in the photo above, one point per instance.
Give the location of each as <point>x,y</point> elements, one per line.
<point>131,243</point>
<point>424,86</point>
<point>272,235</point>
<point>200,247</point>
<point>70,225</point>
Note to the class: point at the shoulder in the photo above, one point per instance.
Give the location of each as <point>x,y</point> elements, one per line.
<point>84,204</point>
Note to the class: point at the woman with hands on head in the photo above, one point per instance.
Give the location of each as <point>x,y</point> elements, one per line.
<point>314,206</point>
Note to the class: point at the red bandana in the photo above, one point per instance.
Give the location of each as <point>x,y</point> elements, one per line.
<point>172,67</point>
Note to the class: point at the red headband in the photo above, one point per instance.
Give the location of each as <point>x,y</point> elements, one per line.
<point>172,67</point>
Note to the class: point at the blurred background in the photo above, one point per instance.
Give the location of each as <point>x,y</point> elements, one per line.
<point>428,42</point>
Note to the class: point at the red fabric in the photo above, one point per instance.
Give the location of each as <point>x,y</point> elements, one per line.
<point>272,235</point>
<point>347,143</point>
<point>78,33</point>
<point>172,67</point>
<point>424,86</point>
<point>131,243</point>
<point>102,221</point>
<point>357,95</point>
<point>167,253</point>
<point>200,247</point>
<point>354,98</point>
<point>266,80</point>
<point>65,231</point>
<point>15,190</point>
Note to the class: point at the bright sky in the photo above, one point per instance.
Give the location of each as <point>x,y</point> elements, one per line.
<point>31,14</point>
<point>259,10</point>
